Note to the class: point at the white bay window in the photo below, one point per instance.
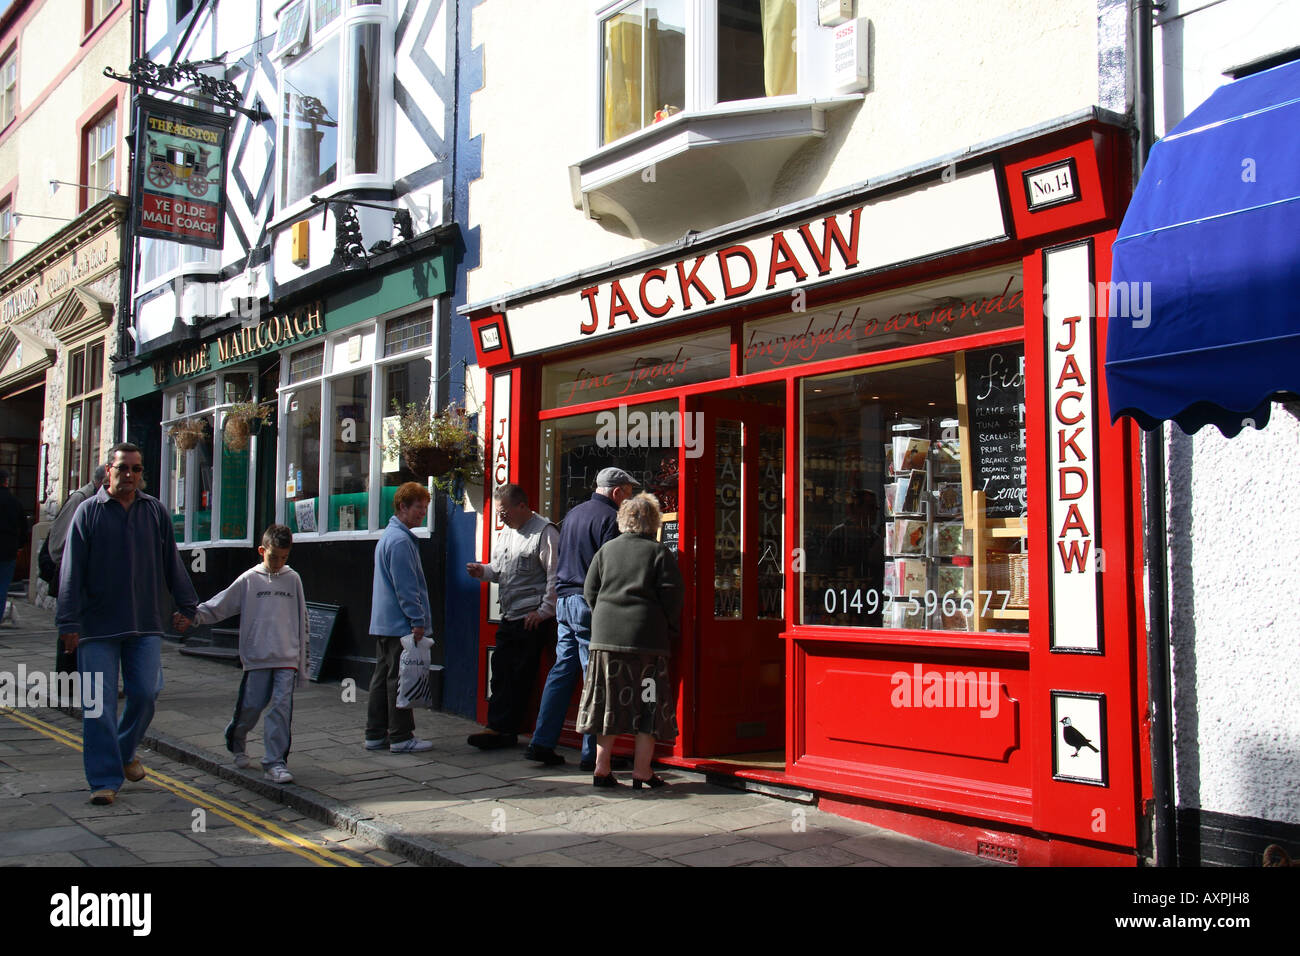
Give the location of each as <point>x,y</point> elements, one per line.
<point>336,99</point>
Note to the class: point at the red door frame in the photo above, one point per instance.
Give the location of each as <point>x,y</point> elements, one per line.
<point>722,643</point>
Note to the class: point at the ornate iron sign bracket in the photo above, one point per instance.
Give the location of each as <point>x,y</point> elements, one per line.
<point>155,76</point>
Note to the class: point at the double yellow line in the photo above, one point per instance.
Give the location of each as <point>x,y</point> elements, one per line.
<point>249,822</point>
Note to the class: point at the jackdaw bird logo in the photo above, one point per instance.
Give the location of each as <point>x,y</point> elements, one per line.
<point>1075,739</point>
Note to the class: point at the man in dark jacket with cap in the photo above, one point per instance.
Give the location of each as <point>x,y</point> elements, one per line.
<point>584,529</point>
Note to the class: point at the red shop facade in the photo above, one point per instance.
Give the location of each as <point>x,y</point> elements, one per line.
<point>878,430</point>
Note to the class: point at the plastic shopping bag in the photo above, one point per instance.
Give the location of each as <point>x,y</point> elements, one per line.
<point>414,685</point>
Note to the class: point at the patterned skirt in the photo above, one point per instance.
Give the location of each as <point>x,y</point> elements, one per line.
<point>628,693</point>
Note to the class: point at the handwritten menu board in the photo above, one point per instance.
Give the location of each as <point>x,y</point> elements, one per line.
<point>320,628</point>
<point>995,409</point>
<point>669,531</point>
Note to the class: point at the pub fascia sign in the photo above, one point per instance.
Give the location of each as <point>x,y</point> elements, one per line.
<point>915,223</point>
<point>277,331</point>
<point>89,260</point>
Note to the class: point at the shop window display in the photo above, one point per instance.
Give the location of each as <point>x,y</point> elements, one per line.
<point>914,495</point>
<point>206,484</point>
<point>575,449</point>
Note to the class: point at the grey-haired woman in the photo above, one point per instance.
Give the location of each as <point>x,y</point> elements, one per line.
<point>634,590</point>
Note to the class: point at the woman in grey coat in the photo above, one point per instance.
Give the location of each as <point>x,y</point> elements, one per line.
<point>634,590</point>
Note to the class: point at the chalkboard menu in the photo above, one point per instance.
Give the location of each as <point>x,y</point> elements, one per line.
<point>995,408</point>
<point>669,531</point>
<point>320,627</point>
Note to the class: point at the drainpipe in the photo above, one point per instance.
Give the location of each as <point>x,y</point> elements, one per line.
<point>126,245</point>
<point>1160,702</point>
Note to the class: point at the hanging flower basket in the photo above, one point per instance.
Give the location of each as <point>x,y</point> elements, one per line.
<point>443,447</point>
<point>243,420</point>
<point>189,433</point>
<point>428,461</point>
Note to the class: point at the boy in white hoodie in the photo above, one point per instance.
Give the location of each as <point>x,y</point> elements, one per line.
<point>272,648</point>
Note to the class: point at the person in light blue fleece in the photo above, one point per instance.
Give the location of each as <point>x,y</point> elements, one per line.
<point>399,606</point>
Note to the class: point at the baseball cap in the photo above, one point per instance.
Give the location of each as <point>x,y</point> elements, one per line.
<point>613,477</point>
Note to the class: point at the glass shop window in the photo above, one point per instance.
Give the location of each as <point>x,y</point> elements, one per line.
<point>208,459</point>
<point>914,506</point>
<point>575,449</point>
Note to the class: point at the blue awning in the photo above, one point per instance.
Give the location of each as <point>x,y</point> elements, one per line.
<point>1210,254</point>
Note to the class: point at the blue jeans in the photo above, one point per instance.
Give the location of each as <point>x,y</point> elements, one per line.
<point>109,744</point>
<point>268,685</point>
<point>573,619</point>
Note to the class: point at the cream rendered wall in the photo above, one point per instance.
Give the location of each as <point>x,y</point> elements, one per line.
<point>1234,513</point>
<point>945,75</point>
<point>44,145</point>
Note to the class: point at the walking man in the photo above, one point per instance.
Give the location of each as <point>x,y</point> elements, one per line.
<point>524,562</point>
<point>585,528</point>
<point>119,558</point>
<point>13,534</point>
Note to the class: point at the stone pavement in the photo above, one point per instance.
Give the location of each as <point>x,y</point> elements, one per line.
<point>177,816</point>
<point>455,805</point>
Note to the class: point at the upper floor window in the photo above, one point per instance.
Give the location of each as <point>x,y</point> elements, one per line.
<point>8,88</point>
<point>97,11</point>
<point>333,127</point>
<point>6,233</point>
<point>100,145</point>
<point>660,57</point>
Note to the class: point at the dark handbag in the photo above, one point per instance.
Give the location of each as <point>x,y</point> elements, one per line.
<point>47,570</point>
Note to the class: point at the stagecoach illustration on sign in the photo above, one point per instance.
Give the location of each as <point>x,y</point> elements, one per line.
<point>174,163</point>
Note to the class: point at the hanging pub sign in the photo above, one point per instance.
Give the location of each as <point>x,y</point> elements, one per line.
<point>180,186</point>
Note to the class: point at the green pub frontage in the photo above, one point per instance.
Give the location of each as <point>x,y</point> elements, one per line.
<point>274,413</point>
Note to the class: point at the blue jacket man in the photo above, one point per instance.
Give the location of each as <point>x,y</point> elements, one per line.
<point>399,606</point>
<point>119,562</point>
<point>584,530</point>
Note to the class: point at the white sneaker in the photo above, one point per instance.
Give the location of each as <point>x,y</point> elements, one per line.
<point>11,614</point>
<point>380,744</point>
<point>278,774</point>
<point>413,746</point>
<point>242,761</point>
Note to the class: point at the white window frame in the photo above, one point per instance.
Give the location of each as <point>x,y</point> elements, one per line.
<point>98,11</point>
<point>6,232</point>
<point>218,411</point>
<point>8,88</point>
<point>334,368</point>
<point>297,49</point>
<point>91,137</point>
<point>702,62</point>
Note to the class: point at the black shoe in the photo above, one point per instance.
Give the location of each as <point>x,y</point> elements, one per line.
<point>609,780</point>
<point>544,755</point>
<point>490,741</point>
<point>654,783</point>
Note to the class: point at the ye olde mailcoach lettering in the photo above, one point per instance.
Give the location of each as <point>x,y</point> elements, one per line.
<point>278,330</point>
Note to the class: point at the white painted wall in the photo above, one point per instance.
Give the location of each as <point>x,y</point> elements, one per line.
<point>945,75</point>
<point>1234,512</point>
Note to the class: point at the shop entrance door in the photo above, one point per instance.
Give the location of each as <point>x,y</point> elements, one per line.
<point>739,602</point>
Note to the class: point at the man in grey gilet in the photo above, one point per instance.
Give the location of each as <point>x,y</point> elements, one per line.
<point>525,559</point>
